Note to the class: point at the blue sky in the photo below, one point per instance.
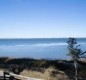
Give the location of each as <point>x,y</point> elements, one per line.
<point>42,18</point>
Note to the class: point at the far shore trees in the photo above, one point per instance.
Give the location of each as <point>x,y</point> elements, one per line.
<point>75,52</point>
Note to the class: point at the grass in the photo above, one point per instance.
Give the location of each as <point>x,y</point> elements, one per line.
<point>47,74</point>
<point>44,69</point>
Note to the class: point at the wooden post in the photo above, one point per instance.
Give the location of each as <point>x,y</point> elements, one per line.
<point>5,75</point>
<point>11,78</point>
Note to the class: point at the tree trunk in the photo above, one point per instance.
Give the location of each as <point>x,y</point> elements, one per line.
<point>75,65</point>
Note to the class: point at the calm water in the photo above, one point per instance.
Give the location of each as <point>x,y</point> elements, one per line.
<point>55,48</point>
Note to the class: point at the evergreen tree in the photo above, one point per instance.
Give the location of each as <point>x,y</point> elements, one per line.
<point>75,52</point>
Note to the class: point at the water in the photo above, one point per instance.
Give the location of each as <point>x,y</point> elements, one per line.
<point>51,48</point>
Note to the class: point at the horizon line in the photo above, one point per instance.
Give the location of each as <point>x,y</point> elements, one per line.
<point>41,37</point>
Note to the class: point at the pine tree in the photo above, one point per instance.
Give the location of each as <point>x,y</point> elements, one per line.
<point>75,52</point>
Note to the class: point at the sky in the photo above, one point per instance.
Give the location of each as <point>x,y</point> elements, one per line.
<point>42,18</point>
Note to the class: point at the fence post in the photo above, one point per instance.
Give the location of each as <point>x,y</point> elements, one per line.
<point>11,78</point>
<point>5,75</point>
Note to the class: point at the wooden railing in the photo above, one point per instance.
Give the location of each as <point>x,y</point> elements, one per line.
<point>11,76</point>
<point>7,76</point>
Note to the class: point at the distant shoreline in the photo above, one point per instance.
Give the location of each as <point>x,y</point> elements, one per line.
<point>46,38</point>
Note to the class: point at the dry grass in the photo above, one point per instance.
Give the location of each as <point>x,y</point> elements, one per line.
<point>1,69</point>
<point>48,74</point>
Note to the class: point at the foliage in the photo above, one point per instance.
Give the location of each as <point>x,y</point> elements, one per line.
<point>74,51</point>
